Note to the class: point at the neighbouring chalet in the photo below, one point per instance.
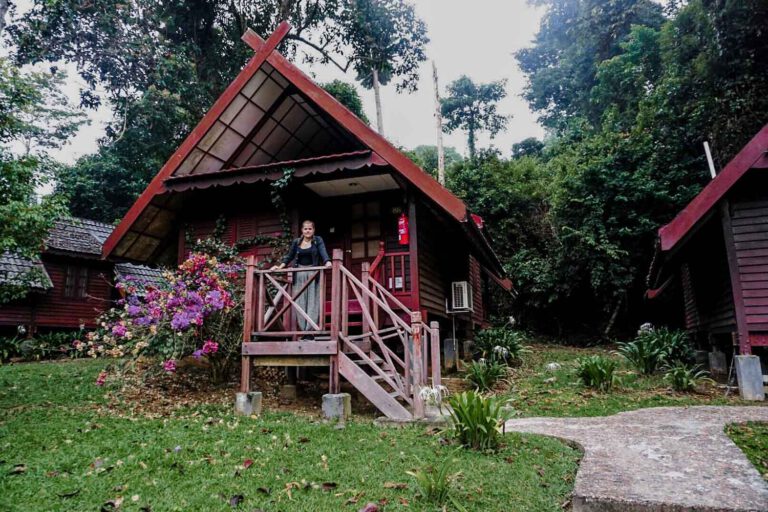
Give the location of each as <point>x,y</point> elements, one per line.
<point>710,272</point>
<point>72,284</point>
<point>355,185</point>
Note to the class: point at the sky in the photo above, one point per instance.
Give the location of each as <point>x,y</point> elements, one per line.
<point>477,38</point>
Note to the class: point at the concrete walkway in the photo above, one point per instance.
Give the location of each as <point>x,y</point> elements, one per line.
<point>666,459</point>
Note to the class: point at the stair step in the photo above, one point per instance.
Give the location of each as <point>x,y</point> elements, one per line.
<point>379,377</point>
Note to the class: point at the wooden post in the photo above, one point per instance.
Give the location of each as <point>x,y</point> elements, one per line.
<point>338,257</point>
<point>248,313</point>
<point>245,361</point>
<point>416,375</point>
<point>365,276</point>
<point>434,351</point>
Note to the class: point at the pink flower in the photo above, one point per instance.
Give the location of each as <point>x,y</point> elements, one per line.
<point>210,347</point>
<point>169,366</point>
<point>102,378</point>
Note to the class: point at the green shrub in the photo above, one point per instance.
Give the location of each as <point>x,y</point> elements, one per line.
<point>597,372</point>
<point>655,348</point>
<point>10,347</point>
<point>484,374</point>
<point>685,378</point>
<point>434,483</point>
<point>500,344</point>
<point>477,420</point>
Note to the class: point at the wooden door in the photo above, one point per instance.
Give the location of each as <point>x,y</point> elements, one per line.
<point>365,232</point>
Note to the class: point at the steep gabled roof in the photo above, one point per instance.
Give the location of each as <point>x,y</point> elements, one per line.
<point>83,237</point>
<point>272,112</point>
<point>753,155</point>
<point>15,270</point>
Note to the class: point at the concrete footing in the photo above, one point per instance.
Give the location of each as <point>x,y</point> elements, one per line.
<point>450,354</point>
<point>469,345</point>
<point>750,377</point>
<point>337,406</point>
<point>247,404</point>
<point>718,364</point>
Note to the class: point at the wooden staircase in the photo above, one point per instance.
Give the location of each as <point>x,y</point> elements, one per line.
<point>386,359</point>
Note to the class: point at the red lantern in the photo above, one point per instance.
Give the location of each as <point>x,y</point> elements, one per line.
<point>403,237</point>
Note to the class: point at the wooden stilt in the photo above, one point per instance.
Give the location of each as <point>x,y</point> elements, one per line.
<point>245,374</point>
<point>416,361</point>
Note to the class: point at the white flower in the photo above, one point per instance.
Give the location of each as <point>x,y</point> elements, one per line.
<point>646,327</point>
<point>501,351</point>
<point>433,395</point>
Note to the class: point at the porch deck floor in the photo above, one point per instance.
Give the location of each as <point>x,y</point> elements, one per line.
<point>660,459</point>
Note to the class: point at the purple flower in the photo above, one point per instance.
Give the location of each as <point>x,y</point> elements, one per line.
<point>119,330</point>
<point>169,366</point>
<point>197,354</point>
<point>214,299</point>
<point>180,321</point>
<point>134,310</point>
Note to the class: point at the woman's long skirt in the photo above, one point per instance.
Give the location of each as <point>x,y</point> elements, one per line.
<point>309,300</point>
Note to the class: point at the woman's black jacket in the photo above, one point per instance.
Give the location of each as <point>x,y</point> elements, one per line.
<point>319,254</point>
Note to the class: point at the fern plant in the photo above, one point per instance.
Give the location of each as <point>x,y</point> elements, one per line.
<point>685,378</point>
<point>477,421</point>
<point>484,374</point>
<point>597,372</point>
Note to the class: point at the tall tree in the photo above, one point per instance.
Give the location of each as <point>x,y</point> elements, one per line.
<point>575,36</point>
<point>472,107</point>
<point>347,96</point>
<point>34,117</point>
<point>387,41</point>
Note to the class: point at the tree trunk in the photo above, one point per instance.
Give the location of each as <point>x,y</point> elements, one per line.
<point>439,120</point>
<point>377,94</point>
<point>471,142</point>
<point>614,316</point>
<point>4,4</point>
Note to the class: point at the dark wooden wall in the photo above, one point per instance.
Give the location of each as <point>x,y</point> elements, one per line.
<point>749,221</point>
<point>705,280</point>
<point>54,310</point>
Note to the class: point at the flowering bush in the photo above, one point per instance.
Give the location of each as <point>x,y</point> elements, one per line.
<point>196,310</point>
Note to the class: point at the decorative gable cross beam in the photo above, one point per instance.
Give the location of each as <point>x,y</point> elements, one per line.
<point>260,46</point>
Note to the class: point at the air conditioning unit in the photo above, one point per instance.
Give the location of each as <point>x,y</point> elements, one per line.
<point>461,296</point>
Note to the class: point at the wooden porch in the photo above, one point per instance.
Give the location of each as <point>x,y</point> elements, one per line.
<point>363,332</point>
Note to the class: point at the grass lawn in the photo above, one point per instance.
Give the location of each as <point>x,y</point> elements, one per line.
<point>535,391</point>
<point>65,446</point>
<point>752,438</point>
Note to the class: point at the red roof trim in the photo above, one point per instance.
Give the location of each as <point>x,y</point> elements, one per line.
<point>673,232</point>
<point>156,185</point>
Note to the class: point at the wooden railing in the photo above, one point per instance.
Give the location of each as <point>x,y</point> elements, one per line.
<point>390,269</point>
<point>390,342</point>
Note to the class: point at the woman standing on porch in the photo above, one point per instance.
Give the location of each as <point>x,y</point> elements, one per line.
<point>307,251</point>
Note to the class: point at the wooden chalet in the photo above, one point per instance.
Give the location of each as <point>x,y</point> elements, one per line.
<point>356,186</point>
<point>710,272</point>
<point>72,284</point>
